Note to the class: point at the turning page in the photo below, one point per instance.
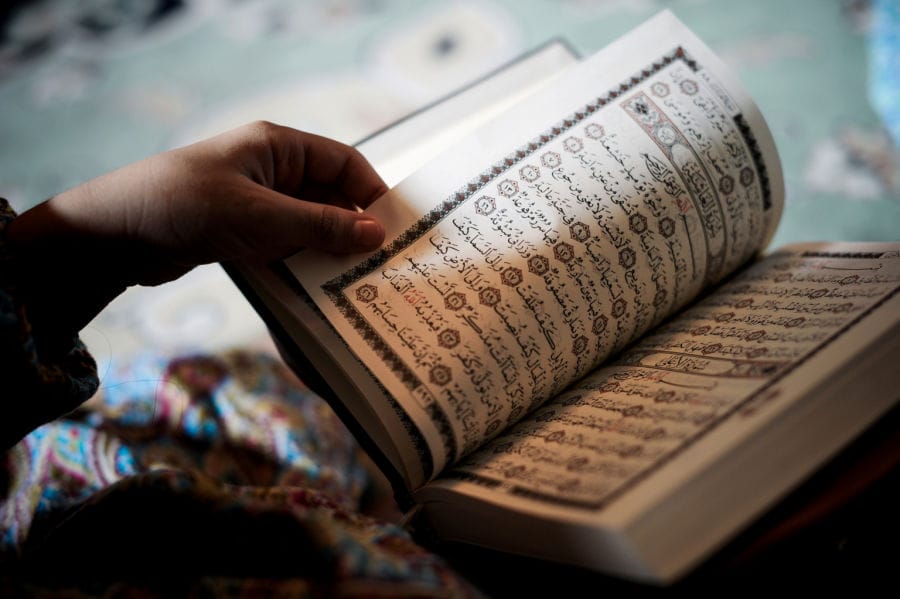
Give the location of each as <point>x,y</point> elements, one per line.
<point>519,260</point>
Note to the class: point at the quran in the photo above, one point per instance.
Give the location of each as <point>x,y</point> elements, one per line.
<point>574,343</point>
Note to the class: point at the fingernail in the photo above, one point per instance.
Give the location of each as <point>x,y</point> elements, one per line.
<point>367,233</point>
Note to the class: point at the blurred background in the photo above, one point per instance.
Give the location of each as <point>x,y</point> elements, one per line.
<point>89,85</point>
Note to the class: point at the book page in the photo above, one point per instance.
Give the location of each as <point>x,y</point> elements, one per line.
<point>652,462</point>
<point>310,344</point>
<point>534,249</point>
<point>719,362</point>
<point>400,149</point>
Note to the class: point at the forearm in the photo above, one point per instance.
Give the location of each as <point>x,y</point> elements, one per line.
<point>63,274</point>
<point>80,249</point>
<point>46,372</point>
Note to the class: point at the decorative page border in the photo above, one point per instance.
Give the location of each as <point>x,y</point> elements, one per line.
<point>756,154</point>
<point>420,445</point>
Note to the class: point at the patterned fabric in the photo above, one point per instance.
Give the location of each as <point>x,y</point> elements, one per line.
<point>219,474</point>
<point>43,376</point>
<point>214,475</point>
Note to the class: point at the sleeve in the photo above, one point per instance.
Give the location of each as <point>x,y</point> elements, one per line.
<point>42,376</point>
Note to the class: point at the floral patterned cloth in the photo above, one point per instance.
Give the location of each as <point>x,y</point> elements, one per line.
<point>218,475</point>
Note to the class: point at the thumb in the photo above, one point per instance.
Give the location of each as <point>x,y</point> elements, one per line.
<point>331,228</point>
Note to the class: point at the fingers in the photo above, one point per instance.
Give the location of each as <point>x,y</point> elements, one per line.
<point>331,165</point>
<point>293,162</point>
<point>290,224</point>
<point>336,175</point>
<point>336,229</point>
<point>295,190</point>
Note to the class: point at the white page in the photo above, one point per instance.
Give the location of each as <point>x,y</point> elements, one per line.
<point>448,188</point>
<point>406,146</point>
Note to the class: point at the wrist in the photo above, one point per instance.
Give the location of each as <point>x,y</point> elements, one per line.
<point>61,276</point>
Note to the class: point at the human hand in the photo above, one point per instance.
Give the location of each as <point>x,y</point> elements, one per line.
<point>260,191</point>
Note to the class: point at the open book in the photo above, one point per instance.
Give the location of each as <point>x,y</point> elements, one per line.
<point>572,344</point>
